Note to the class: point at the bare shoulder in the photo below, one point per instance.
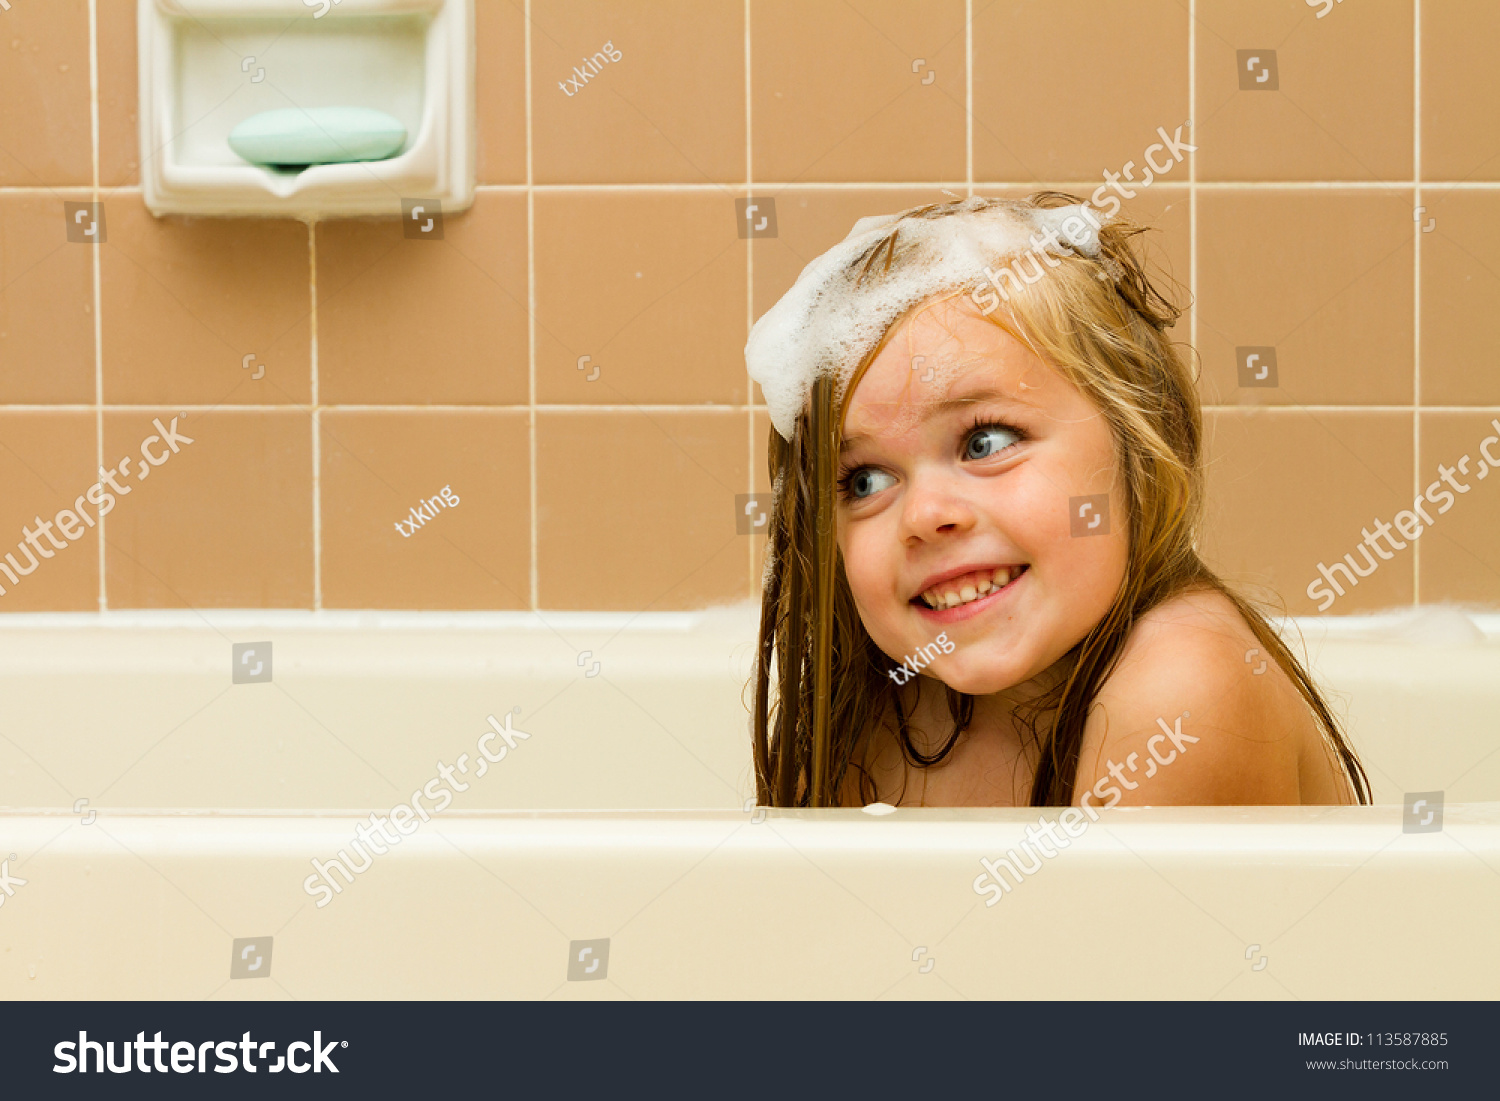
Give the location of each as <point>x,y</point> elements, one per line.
<point>1195,713</point>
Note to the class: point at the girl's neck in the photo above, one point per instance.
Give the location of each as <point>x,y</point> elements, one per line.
<point>1007,707</point>
<point>995,715</point>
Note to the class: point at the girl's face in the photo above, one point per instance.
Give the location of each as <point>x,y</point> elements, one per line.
<point>959,508</point>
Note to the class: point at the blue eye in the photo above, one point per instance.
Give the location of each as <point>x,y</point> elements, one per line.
<point>986,440</point>
<point>864,481</point>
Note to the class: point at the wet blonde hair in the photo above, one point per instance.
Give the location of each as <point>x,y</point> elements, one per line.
<point>1103,324</point>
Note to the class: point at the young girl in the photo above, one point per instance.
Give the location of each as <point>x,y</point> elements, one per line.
<point>983,586</point>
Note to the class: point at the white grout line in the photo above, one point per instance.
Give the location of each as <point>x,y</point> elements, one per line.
<point>1301,185</point>
<point>897,185</point>
<point>317,418</point>
<point>1416,286</point>
<point>1193,182</point>
<point>749,306</point>
<point>894,185</point>
<point>1353,408</point>
<point>98,287</point>
<point>410,410</point>
<point>204,621</point>
<point>292,406</point>
<point>531,406</point>
<point>969,97</point>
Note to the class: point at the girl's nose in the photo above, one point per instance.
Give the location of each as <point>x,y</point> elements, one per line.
<point>934,505</point>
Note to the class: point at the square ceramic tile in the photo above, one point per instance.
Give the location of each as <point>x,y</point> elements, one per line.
<point>119,82</point>
<point>45,127</point>
<point>864,91</point>
<point>1069,90</point>
<point>1289,492</point>
<point>1285,95</point>
<point>46,303</point>
<point>640,298</point>
<point>1459,475</point>
<point>426,510</point>
<point>1460,84</point>
<point>1323,277</point>
<point>47,468</point>
<point>1459,232</point>
<point>500,92</point>
<point>217,510</point>
<point>638,91</point>
<point>636,511</point>
<point>194,309</point>
<point>421,321</point>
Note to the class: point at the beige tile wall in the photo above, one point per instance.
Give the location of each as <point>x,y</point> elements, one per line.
<point>568,359</point>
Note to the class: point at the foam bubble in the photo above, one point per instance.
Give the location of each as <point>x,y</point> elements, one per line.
<point>844,301</point>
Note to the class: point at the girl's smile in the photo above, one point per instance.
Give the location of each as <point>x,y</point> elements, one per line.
<point>965,593</point>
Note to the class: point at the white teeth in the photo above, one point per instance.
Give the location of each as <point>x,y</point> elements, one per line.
<point>939,600</point>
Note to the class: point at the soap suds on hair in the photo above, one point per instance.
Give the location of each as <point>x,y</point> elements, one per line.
<point>844,300</point>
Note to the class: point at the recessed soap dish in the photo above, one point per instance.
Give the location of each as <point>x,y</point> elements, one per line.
<point>208,67</point>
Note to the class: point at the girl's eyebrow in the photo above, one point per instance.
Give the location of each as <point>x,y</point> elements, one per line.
<point>948,405</point>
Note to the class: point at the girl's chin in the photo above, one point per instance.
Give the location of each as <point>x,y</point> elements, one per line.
<point>973,682</point>
<point>980,684</point>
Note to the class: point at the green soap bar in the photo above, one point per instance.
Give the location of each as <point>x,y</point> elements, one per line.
<point>317,135</point>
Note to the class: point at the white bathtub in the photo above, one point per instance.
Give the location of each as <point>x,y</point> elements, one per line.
<point>622,817</point>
